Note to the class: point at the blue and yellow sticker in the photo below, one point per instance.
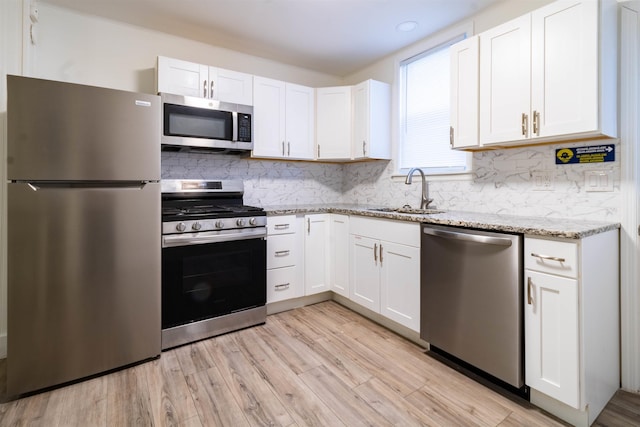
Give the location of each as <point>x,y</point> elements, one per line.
<point>587,154</point>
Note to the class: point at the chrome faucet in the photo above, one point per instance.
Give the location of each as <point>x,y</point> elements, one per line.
<point>425,200</point>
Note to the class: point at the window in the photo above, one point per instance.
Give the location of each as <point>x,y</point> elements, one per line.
<point>424,114</point>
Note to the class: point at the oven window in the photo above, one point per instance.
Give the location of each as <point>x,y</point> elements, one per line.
<point>180,120</point>
<point>210,280</point>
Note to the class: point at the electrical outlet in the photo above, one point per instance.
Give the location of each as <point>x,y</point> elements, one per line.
<point>598,181</point>
<point>542,180</point>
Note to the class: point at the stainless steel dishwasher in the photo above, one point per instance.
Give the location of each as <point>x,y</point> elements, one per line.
<point>471,299</point>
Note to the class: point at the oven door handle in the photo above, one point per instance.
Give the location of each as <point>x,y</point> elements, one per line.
<point>213,237</point>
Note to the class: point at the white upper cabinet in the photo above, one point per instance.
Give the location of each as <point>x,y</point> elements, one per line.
<point>505,90</point>
<point>464,93</point>
<point>283,119</point>
<point>300,121</point>
<point>182,77</point>
<point>333,123</point>
<point>203,81</point>
<point>566,85</point>
<point>371,120</point>
<point>549,75</point>
<point>230,86</point>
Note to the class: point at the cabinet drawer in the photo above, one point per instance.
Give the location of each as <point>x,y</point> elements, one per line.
<point>282,284</point>
<point>551,256</point>
<point>283,224</point>
<point>281,251</point>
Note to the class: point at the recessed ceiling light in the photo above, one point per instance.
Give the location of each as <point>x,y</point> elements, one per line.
<point>406,26</point>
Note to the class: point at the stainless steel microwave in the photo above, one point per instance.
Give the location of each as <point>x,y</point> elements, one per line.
<point>204,124</point>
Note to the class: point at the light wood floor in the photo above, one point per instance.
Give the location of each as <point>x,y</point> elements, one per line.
<point>320,365</point>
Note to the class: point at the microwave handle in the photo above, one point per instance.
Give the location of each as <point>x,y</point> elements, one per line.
<point>234,116</point>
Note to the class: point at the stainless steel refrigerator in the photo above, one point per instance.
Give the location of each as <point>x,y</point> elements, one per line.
<point>83,165</point>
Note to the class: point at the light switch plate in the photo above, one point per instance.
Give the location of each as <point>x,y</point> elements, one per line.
<point>598,181</point>
<point>542,180</point>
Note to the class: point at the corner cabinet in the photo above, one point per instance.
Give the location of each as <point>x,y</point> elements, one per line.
<point>550,75</point>
<point>571,310</point>
<point>371,120</point>
<point>385,268</point>
<point>333,123</point>
<point>203,81</point>
<point>284,117</point>
<point>339,254</point>
<point>316,253</point>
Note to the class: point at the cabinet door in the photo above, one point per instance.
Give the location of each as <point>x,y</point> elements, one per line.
<point>552,364</point>
<point>564,78</point>
<point>333,122</point>
<point>339,254</point>
<point>269,117</point>
<point>400,284</point>
<point>371,120</point>
<point>300,120</point>
<point>316,256</point>
<point>365,272</point>
<point>182,77</point>
<point>230,86</point>
<point>361,143</point>
<point>505,74</point>
<point>464,93</point>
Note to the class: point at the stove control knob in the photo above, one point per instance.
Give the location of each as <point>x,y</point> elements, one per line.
<point>196,226</point>
<point>253,221</point>
<point>240,222</point>
<point>181,227</point>
<point>219,224</point>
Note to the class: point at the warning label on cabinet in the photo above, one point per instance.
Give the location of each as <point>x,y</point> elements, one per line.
<point>588,154</point>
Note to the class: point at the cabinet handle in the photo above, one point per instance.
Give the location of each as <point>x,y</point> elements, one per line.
<point>536,122</point>
<point>529,285</point>
<point>550,258</point>
<point>288,149</point>
<point>204,91</point>
<point>282,253</point>
<point>211,89</point>
<point>364,148</point>
<point>451,136</point>
<point>525,124</point>
<point>318,150</point>
<point>380,254</point>
<point>308,225</point>
<point>281,226</point>
<point>282,148</point>
<point>375,253</point>
<point>282,286</point>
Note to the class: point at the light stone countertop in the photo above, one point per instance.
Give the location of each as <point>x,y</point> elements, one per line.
<point>537,226</point>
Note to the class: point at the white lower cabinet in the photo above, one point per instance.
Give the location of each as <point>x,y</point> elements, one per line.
<point>385,268</point>
<point>571,314</point>
<point>316,253</point>
<point>339,254</point>
<point>284,253</point>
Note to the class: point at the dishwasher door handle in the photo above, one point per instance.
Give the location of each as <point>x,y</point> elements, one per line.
<point>477,238</point>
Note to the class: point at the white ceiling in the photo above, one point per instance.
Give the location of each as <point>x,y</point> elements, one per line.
<point>335,37</point>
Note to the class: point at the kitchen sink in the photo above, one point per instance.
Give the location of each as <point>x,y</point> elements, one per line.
<point>408,210</point>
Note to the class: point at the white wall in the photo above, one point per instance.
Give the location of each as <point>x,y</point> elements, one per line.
<point>90,50</point>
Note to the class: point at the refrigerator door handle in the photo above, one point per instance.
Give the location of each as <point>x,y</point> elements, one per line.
<point>44,185</point>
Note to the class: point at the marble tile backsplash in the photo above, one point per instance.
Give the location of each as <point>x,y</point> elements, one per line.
<point>502,182</point>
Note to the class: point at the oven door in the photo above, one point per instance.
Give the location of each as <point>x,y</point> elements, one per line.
<point>209,280</point>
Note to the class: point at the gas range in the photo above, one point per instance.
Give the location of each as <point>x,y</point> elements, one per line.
<point>214,275</point>
<point>206,211</point>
